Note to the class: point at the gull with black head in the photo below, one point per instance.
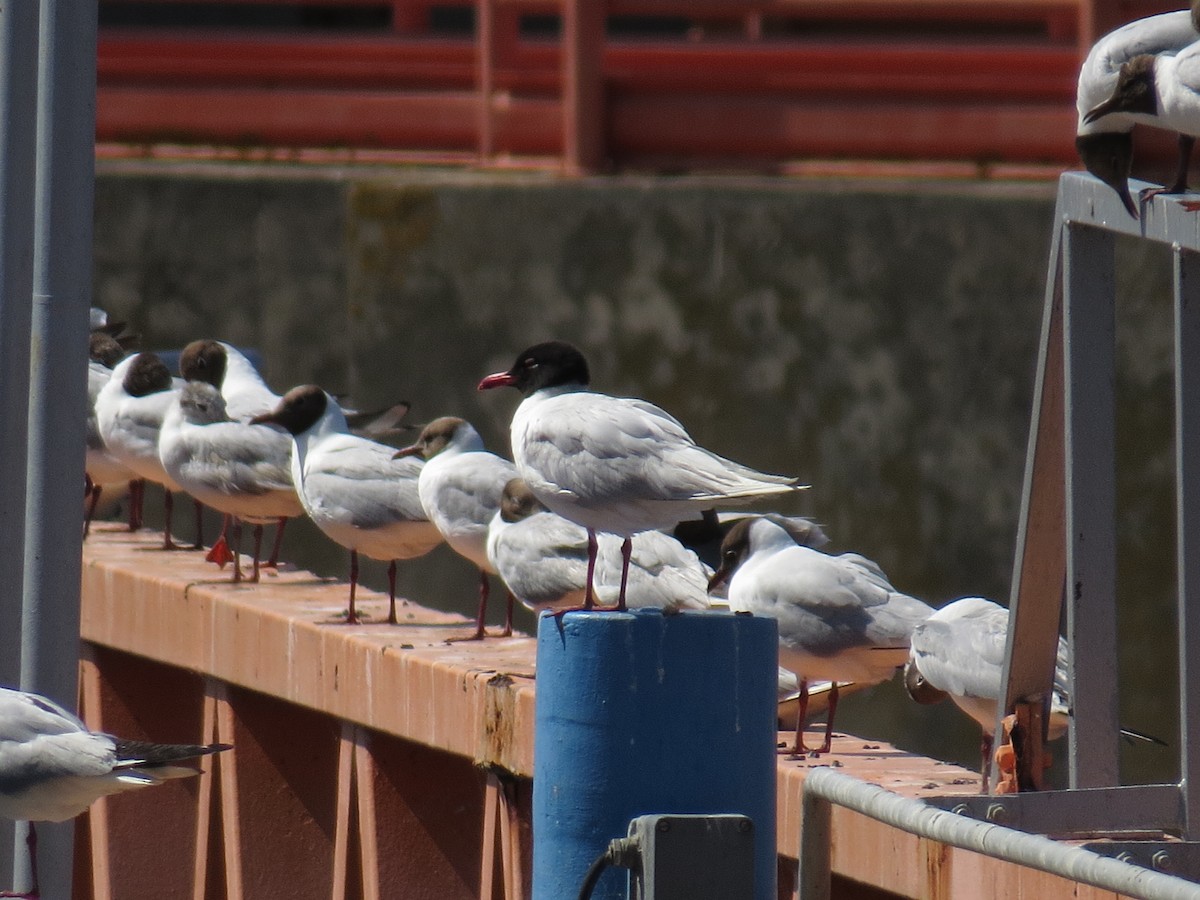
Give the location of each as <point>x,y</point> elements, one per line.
<point>839,617</point>
<point>351,487</point>
<point>614,465</point>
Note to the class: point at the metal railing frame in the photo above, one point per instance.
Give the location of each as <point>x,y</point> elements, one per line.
<point>1066,542</point>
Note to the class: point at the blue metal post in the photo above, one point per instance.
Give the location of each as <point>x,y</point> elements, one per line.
<point>640,713</point>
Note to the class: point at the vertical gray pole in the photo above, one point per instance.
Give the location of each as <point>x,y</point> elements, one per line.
<point>815,878</point>
<point>18,143</point>
<point>1187,512</point>
<point>1089,338</point>
<point>62,273</point>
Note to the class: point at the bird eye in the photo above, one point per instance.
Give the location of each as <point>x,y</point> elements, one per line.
<point>530,363</point>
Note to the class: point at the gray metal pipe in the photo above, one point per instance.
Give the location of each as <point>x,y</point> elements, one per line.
<point>62,275</point>
<point>824,786</point>
<point>18,143</point>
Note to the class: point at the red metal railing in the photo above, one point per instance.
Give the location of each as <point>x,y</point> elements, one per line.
<point>741,83</point>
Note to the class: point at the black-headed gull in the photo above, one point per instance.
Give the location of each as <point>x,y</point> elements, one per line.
<point>839,617</point>
<point>246,395</point>
<point>129,413</point>
<point>239,469</point>
<point>101,467</point>
<point>543,558</point>
<point>1105,142</point>
<point>460,488</point>
<point>613,465</point>
<point>540,556</point>
<point>52,767</point>
<point>703,536</point>
<point>1161,91</point>
<point>959,652</point>
<point>352,488</point>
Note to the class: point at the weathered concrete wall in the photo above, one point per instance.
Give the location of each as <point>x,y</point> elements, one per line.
<point>876,339</point>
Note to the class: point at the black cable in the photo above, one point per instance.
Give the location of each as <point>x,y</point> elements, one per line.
<point>595,870</point>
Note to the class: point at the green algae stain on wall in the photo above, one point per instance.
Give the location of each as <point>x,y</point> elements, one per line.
<point>386,225</point>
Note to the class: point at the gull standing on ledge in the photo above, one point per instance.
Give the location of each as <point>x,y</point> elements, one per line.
<point>351,487</point>
<point>613,465</point>
<point>101,467</point>
<point>52,768</point>
<point>239,469</point>
<point>460,488</point>
<point>246,395</point>
<point>129,413</point>
<point>839,617</point>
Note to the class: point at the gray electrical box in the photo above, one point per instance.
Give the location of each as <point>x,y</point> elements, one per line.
<point>693,858</point>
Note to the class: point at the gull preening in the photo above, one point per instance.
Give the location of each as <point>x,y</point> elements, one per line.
<point>52,767</point>
<point>1105,141</point>
<point>839,617</point>
<point>959,652</point>
<point>613,465</point>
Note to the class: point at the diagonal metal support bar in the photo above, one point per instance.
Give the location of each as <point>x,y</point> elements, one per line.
<point>1039,569</point>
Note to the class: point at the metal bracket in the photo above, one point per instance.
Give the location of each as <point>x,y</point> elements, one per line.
<point>1180,858</point>
<point>1151,809</point>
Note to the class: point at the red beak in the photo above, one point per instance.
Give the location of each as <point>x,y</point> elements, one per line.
<point>414,450</point>
<point>500,379</point>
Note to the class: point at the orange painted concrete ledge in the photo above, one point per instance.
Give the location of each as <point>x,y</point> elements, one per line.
<point>284,637</point>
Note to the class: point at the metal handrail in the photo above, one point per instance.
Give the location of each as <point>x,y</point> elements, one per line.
<point>824,788</point>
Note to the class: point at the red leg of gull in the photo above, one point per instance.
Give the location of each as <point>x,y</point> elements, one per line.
<point>626,554</point>
<point>236,551</point>
<point>589,599</point>
<point>484,589</point>
<point>508,611</point>
<point>833,702</point>
<point>352,613</point>
<point>94,490</point>
<point>392,620</point>
<point>219,553</point>
<point>35,892</point>
<point>258,536</point>
<point>798,748</point>
<point>168,511</point>
<point>273,562</point>
<point>137,488</point>
<point>199,544</point>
